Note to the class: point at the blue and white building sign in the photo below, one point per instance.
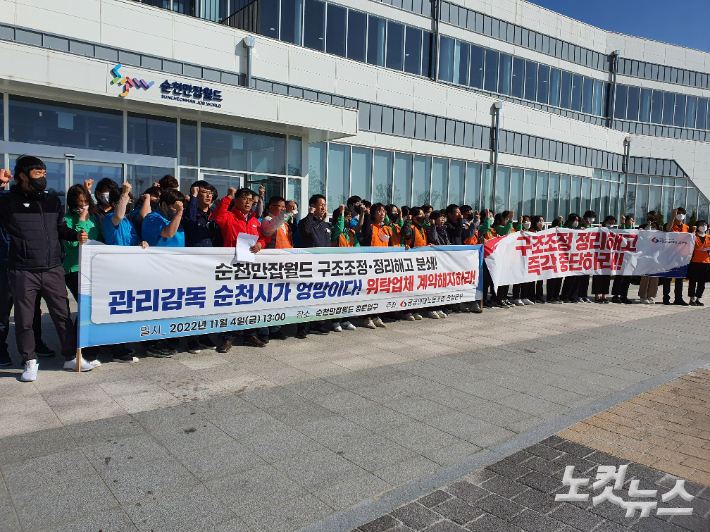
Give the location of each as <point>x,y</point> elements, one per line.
<point>185,92</point>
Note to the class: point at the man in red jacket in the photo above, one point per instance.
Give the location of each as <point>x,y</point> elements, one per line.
<point>233,215</point>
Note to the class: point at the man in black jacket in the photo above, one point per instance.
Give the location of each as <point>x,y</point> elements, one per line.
<point>34,222</point>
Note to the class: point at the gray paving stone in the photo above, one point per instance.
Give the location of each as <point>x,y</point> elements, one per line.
<point>445,526</point>
<point>353,491</point>
<point>402,472</point>
<point>109,521</point>
<point>280,445</point>
<point>186,438</point>
<point>416,516</point>
<point>490,523</point>
<point>249,424</point>
<point>220,461</point>
<point>509,469</point>
<point>319,469</point>
<point>103,430</point>
<point>540,482</point>
<point>434,498</point>
<point>233,525</point>
<point>375,452</point>
<point>467,492</point>
<point>504,487</point>
<point>537,500</point>
<point>575,517</point>
<point>30,475</point>
<point>532,521</point>
<point>381,524</point>
<point>34,444</point>
<point>334,432</point>
<point>124,453</point>
<point>500,507</point>
<point>458,511</point>
<point>168,418</point>
<point>289,516</point>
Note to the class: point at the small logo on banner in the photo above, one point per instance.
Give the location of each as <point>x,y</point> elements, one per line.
<point>127,82</point>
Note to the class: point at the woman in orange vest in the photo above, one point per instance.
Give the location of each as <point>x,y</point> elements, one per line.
<point>393,220</point>
<point>275,228</point>
<point>376,234</point>
<point>342,237</point>
<point>699,267</point>
<point>413,232</point>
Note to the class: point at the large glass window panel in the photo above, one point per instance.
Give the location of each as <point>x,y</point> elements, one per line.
<point>361,173</point>
<point>317,168</point>
<point>667,202</point>
<point>376,41</point>
<point>502,189</point>
<point>338,174</point>
<point>690,111</point>
<point>702,113</point>
<point>668,108</point>
<point>291,20</point>
<point>422,179</point>
<point>596,196</point>
<point>543,83</point>
<point>188,143</point>
<point>541,194</point>
<point>657,107</point>
<point>679,197</point>
<point>382,177</point>
<point>142,178</point>
<point>314,26</point>
<point>293,189</point>
<point>679,117</point>
<point>518,77</point>
<point>446,59</point>
<point>427,54</point>
<point>439,183</point>
<point>577,82</point>
<point>630,207</point>
<point>269,18</point>
<point>530,80</point>
<point>516,191</point>
<point>189,7</point>
<point>395,45</point>
<point>73,126</point>
<point>461,52</point>
<point>505,72</point>
<point>598,98</point>
<point>575,197</point>
<point>529,194</point>
<point>586,203</point>
<point>491,79</point>
<point>645,106</point>
<point>294,162</point>
<point>691,204</point>
<point>555,80</point>
<point>588,96</point>
<point>357,33</point>
<point>632,107</point>
<point>566,91</point>
<point>336,32</point>
<point>565,195</point>
<point>476,77</point>
<point>402,193</point>
<point>613,203</point>
<point>473,186</point>
<point>413,51</point>
<point>150,135</point>
<point>641,204</point>
<point>457,174</point>
<point>487,187</point>
<point>214,10</point>
<point>605,205</point>
<point>620,106</point>
<point>242,149</point>
<point>553,194</point>
<point>654,198</point>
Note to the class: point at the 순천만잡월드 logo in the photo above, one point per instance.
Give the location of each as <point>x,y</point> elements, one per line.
<point>128,83</point>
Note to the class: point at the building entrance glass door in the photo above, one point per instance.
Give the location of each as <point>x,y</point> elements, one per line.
<point>223,181</point>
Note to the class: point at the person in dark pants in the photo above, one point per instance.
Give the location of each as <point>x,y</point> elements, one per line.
<point>675,225</point>
<point>601,283</point>
<point>34,222</point>
<point>620,288</point>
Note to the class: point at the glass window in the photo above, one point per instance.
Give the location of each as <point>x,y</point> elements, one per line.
<point>427,60</point>
<point>338,174</point>
<point>668,107</point>
<point>487,187</point>
<point>518,77</point>
<point>376,41</point>
<point>214,10</point>
<point>692,202</point>
<point>294,155</point>
<point>142,178</point>
<point>188,143</point>
<point>439,183</point>
<point>39,122</point>
<point>543,83</point>
<point>598,97</point>
<point>553,209</point>
<point>188,6</point>
<point>641,203</point>
<point>645,106</point>
<point>565,95</point>
<point>395,45</point>
<point>316,170</point>
<point>516,191</point>
<point>269,18</point>
<point>632,108</point>
<point>690,110</point>
<point>446,59</point>
<point>587,198</point>
<point>186,177</point>
<point>473,186</point>
<point>630,207</point>
<point>555,79</point>
<point>614,201</point>
<point>476,78</point>
<point>530,80</point>
<point>654,199</point>
<point>457,174</point>
<point>529,194</point>
<point>565,195</point>
<point>413,50</point>
<point>702,113</point>
<point>657,107</point>
<point>402,194</point>
<point>502,189</point>
<point>293,189</point>
<point>505,74</point>
<point>291,20</point>
<point>577,92</point>
<point>242,149</point>
<point>361,173</point>
<point>491,81</point>
<point>679,197</point>
<point>422,179</point>
<point>679,119</point>
<point>574,196</point>
<point>357,32</point>
<point>667,202</point>
<point>596,193</point>
<point>314,26</point>
<point>542,203</point>
<point>149,135</point>
<point>620,108</point>
<point>335,35</point>
<point>461,63</point>
<point>588,95</point>
<point>382,177</point>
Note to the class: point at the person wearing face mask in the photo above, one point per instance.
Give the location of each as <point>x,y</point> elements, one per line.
<point>537,223</point>
<point>676,224</point>
<point>601,283</point>
<point>102,194</point>
<point>570,286</point>
<point>502,226</point>
<point>461,231</point>
<point>35,225</point>
<point>524,293</point>
<point>486,232</point>
<point>394,221</point>
<point>588,220</point>
<point>620,288</point>
<point>413,231</point>
<point>648,287</point>
<point>375,233</point>
<point>118,229</point>
<point>147,203</point>
<point>699,267</point>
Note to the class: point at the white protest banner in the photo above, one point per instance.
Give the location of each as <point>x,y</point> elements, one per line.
<point>130,294</point>
<point>523,256</point>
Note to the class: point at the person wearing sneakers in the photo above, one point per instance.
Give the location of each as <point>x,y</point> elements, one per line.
<point>503,225</point>
<point>537,223</point>
<point>620,288</point>
<point>343,237</point>
<point>414,236</point>
<point>461,231</point>
<point>601,283</point>
<point>699,267</point>
<point>34,222</point>
<point>648,287</point>
<point>676,225</point>
<point>375,234</point>
<point>524,293</point>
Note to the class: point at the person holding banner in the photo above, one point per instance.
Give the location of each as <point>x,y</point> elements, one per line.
<point>343,236</point>
<point>375,234</point>
<point>699,267</point>
<point>570,284</point>
<point>503,225</point>
<point>524,293</point>
<point>462,231</point>
<point>601,283</point>
<point>675,225</point>
<point>648,287</point>
<point>537,223</point>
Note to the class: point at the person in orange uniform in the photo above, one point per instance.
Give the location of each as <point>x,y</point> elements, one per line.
<point>675,225</point>
<point>342,235</point>
<point>413,231</point>
<point>699,267</point>
<point>376,234</point>
<point>275,227</point>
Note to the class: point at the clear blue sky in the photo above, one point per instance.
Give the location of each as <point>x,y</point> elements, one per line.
<point>681,22</point>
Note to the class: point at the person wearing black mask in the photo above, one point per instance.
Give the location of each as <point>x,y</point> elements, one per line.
<point>149,202</point>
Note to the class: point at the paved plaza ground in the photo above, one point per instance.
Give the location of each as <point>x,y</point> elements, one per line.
<point>366,429</point>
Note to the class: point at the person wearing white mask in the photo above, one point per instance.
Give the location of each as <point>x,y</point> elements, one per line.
<point>601,283</point>
<point>537,223</point>
<point>524,293</point>
<point>102,195</point>
<point>648,288</point>
<point>676,224</point>
<point>699,267</point>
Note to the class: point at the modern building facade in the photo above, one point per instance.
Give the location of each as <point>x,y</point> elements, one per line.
<point>499,104</point>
